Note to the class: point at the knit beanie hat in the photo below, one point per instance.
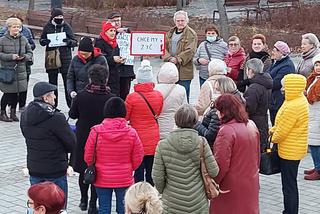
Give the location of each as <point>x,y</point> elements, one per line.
<point>282,47</point>
<point>56,12</point>
<point>41,88</point>
<point>145,73</point>
<point>217,66</point>
<point>106,26</point>
<point>315,59</point>
<point>114,107</point>
<point>86,45</point>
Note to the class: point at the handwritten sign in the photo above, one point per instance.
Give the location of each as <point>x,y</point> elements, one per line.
<point>57,39</point>
<point>123,40</point>
<point>144,43</point>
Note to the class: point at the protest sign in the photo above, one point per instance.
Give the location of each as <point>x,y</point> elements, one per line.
<point>56,39</point>
<point>123,40</point>
<point>147,43</point>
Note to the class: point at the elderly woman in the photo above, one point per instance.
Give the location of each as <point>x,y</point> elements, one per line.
<point>281,66</point>
<point>177,166</point>
<point>313,96</point>
<point>236,146</point>
<point>212,48</point>
<point>290,133</point>
<point>235,57</point>
<point>217,69</point>
<point>15,51</point>
<point>174,96</point>
<point>310,47</point>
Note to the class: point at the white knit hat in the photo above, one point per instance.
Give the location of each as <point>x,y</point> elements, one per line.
<point>315,59</point>
<point>217,66</point>
<point>145,73</point>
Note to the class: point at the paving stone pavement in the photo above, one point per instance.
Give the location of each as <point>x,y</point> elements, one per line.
<point>13,185</point>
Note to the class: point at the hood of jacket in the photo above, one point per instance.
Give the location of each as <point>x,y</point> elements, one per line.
<point>263,79</point>
<point>144,87</point>
<point>184,140</point>
<point>294,86</point>
<point>169,76</point>
<point>38,111</point>
<point>112,128</point>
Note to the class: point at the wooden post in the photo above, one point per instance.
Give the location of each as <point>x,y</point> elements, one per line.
<point>223,20</point>
<point>179,5</point>
<point>31,5</point>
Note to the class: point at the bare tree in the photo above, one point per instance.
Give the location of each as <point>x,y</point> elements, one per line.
<point>179,5</point>
<point>223,19</point>
<point>31,5</point>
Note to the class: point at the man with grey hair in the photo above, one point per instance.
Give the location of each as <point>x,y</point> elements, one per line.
<point>181,45</point>
<point>48,136</point>
<point>258,96</point>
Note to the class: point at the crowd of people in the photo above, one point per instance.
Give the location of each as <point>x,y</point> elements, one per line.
<point>147,143</point>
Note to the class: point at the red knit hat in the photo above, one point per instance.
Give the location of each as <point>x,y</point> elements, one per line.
<point>106,26</point>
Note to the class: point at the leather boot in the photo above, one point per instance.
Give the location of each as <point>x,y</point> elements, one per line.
<point>13,115</point>
<point>4,117</point>
<point>312,177</point>
<point>309,171</point>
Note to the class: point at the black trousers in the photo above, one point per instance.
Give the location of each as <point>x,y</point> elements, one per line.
<point>289,172</point>
<point>144,170</point>
<point>125,85</point>
<point>53,79</point>
<point>84,192</point>
<point>9,99</point>
<point>23,95</point>
<point>273,114</point>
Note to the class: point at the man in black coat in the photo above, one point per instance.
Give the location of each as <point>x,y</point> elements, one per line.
<point>48,136</point>
<point>258,96</point>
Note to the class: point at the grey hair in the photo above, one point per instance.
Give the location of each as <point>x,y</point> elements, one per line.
<point>226,85</point>
<point>312,38</point>
<point>186,116</point>
<point>181,12</point>
<point>13,21</point>
<point>234,38</point>
<point>256,65</point>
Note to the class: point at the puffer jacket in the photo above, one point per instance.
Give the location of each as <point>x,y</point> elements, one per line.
<point>118,153</point>
<point>290,131</point>
<point>174,96</point>
<point>9,46</point>
<point>176,172</point>
<point>77,77</point>
<point>140,116</point>
<point>217,49</point>
<point>186,49</point>
<point>234,61</point>
<point>305,65</point>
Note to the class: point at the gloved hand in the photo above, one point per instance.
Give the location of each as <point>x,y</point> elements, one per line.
<point>68,41</point>
<point>46,41</point>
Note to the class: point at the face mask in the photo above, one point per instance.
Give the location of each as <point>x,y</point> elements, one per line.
<point>58,20</point>
<point>211,38</point>
<point>29,211</point>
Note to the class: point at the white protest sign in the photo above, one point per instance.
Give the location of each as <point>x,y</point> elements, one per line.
<point>147,43</point>
<point>123,40</point>
<point>56,39</point>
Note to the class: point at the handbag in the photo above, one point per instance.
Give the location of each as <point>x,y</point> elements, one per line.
<point>270,160</point>
<point>52,59</point>
<point>151,109</point>
<point>212,189</point>
<point>89,175</point>
<point>7,75</point>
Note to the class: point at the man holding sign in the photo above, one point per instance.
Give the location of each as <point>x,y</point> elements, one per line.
<point>181,45</point>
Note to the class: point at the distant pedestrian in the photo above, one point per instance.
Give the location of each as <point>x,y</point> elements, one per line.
<point>181,45</point>
<point>118,153</point>
<point>237,152</point>
<point>213,47</point>
<point>174,96</point>
<point>313,96</point>
<point>281,66</point>
<point>290,133</point>
<point>310,47</point>
<point>48,136</point>
<point>144,106</point>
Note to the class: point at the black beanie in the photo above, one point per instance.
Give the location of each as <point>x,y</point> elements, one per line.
<point>56,12</point>
<point>114,107</point>
<point>86,45</point>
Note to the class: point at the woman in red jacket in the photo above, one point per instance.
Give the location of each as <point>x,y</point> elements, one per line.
<point>237,152</point>
<point>143,107</point>
<point>118,153</point>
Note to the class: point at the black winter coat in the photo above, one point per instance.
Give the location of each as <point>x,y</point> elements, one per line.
<point>114,72</point>
<point>65,51</point>
<point>88,109</point>
<point>49,139</point>
<point>209,126</point>
<point>77,77</point>
<point>258,96</point>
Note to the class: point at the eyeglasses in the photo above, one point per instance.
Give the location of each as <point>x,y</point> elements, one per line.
<point>116,20</point>
<point>29,203</point>
<point>233,44</point>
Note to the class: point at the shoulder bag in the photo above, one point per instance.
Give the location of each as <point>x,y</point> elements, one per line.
<point>52,58</point>
<point>151,109</point>
<point>207,50</point>
<point>269,160</point>
<point>212,189</point>
<point>89,175</point>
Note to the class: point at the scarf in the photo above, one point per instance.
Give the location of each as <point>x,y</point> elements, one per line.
<point>263,55</point>
<point>84,60</point>
<point>112,42</point>
<point>97,89</point>
<point>311,53</point>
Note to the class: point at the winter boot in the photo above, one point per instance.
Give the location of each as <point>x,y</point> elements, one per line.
<point>308,171</point>
<point>13,115</point>
<point>312,177</point>
<point>4,117</point>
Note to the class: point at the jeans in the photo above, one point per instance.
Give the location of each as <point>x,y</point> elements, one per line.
<point>53,79</point>
<point>315,154</point>
<point>61,182</point>
<point>289,172</point>
<point>105,198</point>
<point>186,84</point>
<point>144,169</point>
<point>201,81</point>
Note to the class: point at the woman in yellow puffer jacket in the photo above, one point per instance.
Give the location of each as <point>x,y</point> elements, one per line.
<point>290,132</point>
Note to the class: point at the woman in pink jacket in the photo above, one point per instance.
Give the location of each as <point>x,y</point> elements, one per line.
<point>118,153</point>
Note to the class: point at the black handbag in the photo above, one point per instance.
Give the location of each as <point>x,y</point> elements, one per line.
<point>7,75</point>
<point>270,160</point>
<point>89,175</point>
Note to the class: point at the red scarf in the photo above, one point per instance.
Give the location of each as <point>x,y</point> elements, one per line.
<point>112,42</point>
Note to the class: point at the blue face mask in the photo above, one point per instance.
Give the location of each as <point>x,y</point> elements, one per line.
<point>211,38</point>
<point>29,211</point>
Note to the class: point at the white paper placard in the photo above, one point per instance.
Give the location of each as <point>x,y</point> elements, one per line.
<point>147,43</point>
<point>123,40</point>
<point>57,39</point>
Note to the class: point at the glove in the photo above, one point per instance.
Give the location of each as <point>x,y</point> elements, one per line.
<point>68,41</point>
<point>46,41</point>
